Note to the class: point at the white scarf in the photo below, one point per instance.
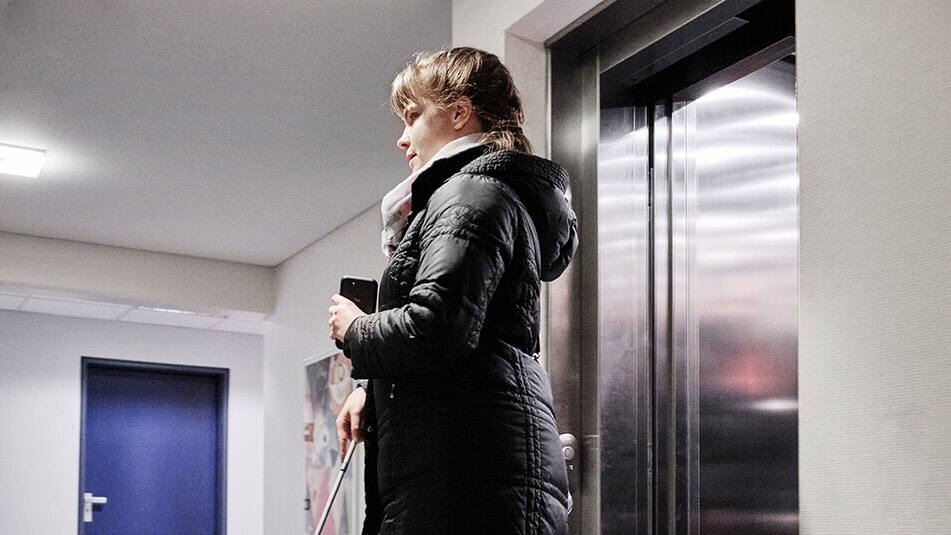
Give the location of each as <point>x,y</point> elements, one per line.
<point>398,203</point>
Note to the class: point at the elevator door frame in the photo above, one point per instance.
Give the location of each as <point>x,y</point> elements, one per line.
<point>579,64</point>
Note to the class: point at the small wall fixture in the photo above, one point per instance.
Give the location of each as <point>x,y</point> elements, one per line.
<point>21,161</point>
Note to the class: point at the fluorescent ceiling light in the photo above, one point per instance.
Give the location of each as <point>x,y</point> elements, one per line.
<point>182,312</point>
<point>21,161</point>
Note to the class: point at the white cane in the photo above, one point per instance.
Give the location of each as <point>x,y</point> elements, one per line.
<point>333,494</point>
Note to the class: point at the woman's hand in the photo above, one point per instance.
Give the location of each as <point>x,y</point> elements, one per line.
<point>342,314</point>
<point>348,421</point>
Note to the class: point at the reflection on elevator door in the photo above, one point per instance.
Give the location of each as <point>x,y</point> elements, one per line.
<point>740,336</point>
<point>698,293</point>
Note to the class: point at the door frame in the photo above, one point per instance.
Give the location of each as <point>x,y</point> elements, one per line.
<point>221,376</point>
<point>630,41</point>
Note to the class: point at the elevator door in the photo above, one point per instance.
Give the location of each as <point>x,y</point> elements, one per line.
<point>698,292</point>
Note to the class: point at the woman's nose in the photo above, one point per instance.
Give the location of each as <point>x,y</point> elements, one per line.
<point>403,141</point>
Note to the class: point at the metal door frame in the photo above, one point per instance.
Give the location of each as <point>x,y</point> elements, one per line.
<point>639,38</point>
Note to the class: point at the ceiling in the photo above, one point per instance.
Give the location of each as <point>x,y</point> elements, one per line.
<point>238,131</point>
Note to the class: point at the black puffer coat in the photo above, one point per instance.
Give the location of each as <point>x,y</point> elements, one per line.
<point>462,436</point>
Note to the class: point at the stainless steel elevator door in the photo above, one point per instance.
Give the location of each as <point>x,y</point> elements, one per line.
<point>734,191</point>
<point>698,307</point>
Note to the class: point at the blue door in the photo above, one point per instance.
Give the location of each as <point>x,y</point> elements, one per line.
<point>152,453</point>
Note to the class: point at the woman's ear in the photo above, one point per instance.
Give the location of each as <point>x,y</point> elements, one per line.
<point>461,113</point>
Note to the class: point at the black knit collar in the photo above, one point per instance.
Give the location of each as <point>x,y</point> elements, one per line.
<point>504,163</point>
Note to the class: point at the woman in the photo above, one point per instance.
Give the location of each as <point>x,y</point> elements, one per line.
<point>461,434</point>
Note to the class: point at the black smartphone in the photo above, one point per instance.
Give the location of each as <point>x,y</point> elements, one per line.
<point>361,291</point>
<point>363,294</point>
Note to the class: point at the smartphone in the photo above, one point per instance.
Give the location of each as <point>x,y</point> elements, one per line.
<point>361,291</point>
<point>363,294</point>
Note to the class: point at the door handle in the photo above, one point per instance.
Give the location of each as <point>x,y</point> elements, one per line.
<point>88,501</point>
<point>569,445</point>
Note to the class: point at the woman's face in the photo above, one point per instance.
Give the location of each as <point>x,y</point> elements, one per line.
<point>427,129</point>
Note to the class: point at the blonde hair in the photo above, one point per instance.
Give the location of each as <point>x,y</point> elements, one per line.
<point>445,76</point>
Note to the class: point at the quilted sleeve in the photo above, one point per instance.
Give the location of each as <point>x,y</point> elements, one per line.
<point>466,242</point>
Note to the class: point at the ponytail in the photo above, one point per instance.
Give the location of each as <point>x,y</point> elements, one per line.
<point>510,138</point>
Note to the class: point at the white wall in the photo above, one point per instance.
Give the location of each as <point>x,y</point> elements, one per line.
<point>875,372</point>
<point>40,411</point>
<point>482,23</point>
<point>299,329</point>
<point>105,273</point>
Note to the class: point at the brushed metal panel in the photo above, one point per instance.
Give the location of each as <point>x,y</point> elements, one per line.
<point>662,454</point>
<point>587,190</point>
<point>624,328</point>
<point>738,306</point>
<point>682,382</point>
<point>573,336</point>
<point>698,312</point>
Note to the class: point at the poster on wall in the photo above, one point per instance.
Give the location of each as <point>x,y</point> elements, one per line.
<point>328,385</point>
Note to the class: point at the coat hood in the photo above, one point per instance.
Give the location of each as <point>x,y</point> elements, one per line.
<point>541,185</point>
